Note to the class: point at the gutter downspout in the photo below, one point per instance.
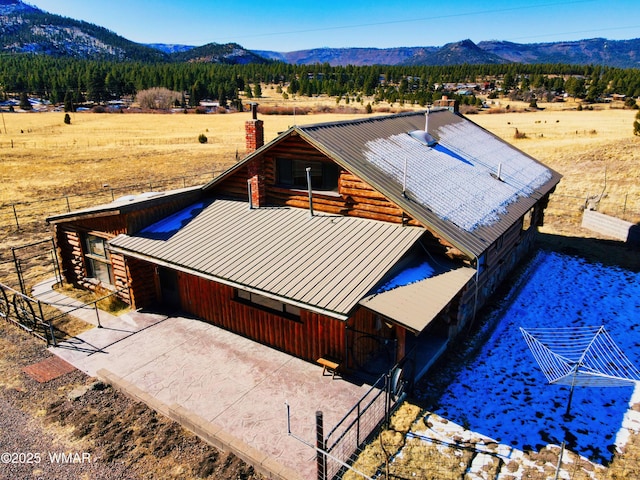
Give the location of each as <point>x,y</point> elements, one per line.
<point>475,299</point>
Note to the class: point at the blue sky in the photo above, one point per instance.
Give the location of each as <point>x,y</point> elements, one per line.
<point>302,24</point>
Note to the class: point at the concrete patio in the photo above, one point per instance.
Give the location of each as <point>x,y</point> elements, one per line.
<point>227,389</point>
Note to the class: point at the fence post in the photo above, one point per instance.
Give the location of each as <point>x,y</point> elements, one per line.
<point>387,400</point>
<point>56,265</point>
<point>321,459</point>
<point>95,306</point>
<point>358,427</point>
<point>16,261</point>
<point>45,325</point>
<point>15,215</point>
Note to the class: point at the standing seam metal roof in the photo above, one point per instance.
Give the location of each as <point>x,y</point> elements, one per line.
<point>329,262</point>
<point>458,173</point>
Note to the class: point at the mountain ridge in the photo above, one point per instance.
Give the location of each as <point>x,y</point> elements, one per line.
<point>27,29</point>
<point>594,51</point>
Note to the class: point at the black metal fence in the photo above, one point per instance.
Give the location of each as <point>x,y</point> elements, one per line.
<point>26,313</point>
<point>344,443</point>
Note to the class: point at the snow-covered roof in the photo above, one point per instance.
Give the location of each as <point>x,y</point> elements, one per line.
<point>458,177</point>
<point>470,187</point>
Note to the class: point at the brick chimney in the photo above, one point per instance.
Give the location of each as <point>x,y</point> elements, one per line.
<point>449,103</point>
<point>254,134</point>
<point>254,130</point>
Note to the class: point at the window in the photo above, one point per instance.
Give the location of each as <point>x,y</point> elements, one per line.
<point>292,173</point>
<point>270,304</point>
<point>97,258</point>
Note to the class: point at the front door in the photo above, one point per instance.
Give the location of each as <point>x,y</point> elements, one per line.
<point>169,292</point>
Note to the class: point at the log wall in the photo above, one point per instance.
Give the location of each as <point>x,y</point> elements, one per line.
<point>70,253</point>
<point>353,198</point>
<point>142,280</point>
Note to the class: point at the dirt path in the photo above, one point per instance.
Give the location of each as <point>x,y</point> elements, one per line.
<point>73,427</point>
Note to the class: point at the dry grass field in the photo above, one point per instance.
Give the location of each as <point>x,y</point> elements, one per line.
<point>595,151</point>
<point>42,157</point>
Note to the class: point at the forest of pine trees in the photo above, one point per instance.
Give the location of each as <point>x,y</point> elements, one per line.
<point>63,80</point>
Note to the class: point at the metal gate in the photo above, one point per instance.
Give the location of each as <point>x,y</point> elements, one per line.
<point>43,253</point>
<point>26,313</point>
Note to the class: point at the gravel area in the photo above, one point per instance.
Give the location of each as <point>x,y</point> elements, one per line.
<point>27,450</point>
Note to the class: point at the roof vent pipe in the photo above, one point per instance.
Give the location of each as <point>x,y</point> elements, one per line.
<point>500,171</point>
<point>426,120</point>
<point>254,110</point>
<point>308,169</point>
<point>250,194</point>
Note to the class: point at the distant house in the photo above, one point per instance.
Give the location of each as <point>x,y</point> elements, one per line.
<point>369,241</point>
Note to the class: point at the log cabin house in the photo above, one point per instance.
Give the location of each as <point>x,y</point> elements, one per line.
<point>367,242</point>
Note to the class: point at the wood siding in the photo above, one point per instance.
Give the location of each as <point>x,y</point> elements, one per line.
<point>311,337</point>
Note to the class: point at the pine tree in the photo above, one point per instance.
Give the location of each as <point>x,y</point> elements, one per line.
<point>68,101</point>
<point>24,102</point>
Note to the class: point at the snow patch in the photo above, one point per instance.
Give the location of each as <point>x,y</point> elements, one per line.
<point>503,394</point>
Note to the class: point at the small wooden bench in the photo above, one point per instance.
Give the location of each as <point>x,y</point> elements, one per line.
<point>330,364</point>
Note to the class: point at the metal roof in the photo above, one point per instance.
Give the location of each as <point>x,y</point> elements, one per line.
<point>128,203</point>
<point>450,187</point>
<point>325,263</point>
<point>415,305</point>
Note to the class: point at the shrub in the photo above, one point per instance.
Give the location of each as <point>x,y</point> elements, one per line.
<point>202,138</point>
<point>158,98</point>
<point>67,119</point>
<point>519,135</point>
